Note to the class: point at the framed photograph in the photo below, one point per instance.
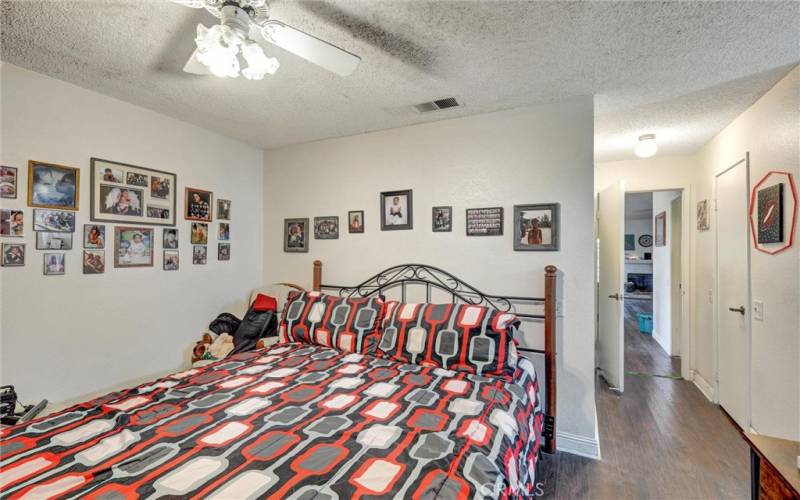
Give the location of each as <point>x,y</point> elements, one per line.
<point>442,219</point>
<point>703,216</point>
<point>94,261</point>
<point>53,186</point>
<point>224,251</point>
<point>355,221</point>
<point>326,228</point>
<point>172,260</point>
<point>198,204</point>
<point>13,254</point>
<point>54,263</point>
<point>770,214</point>
<point>45,240</point>
<point>200,254</point>
<point>485,221</point>
<point>223,209</point>
<point>630,242</point>
<point>160,187</point>
<point>131,194</point>
<point>8,182</point>
<point>53,220</point>
<point>133,246</point>
<point>295,235</point>
<point>536,227</point>
<point>397,210</point>
<point>94,236</point>
<point>224,231</point>
<point>661,229</point>
<point>199,233</point>
<point>12,223</point>
<point>170,238</point>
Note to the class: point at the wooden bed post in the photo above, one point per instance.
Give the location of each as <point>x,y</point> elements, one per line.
<point>550,298</point>
<point>317,280</point>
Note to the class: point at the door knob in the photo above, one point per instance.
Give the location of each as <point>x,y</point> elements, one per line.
<point>739,310</point>
<point>615,296</point>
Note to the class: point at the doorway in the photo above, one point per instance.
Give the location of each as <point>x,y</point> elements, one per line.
<point>653,283</point>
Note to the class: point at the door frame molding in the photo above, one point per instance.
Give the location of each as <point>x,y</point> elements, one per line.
<point>715,257</point>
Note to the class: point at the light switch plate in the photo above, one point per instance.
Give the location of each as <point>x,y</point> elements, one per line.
<point>758,310</point>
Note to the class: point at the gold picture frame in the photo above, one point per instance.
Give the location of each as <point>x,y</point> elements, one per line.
<point>33,168</point>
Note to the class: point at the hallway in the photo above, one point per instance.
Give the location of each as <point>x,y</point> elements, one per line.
<point>660,439</point>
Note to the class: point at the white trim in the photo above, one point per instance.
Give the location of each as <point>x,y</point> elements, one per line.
<point>702,384</point>
<point>661,342</point>
<point>578,445</point>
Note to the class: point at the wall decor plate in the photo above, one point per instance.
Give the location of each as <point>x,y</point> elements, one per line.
<point>773,212</point>
<point>646,240</point>
<point>132,194</point>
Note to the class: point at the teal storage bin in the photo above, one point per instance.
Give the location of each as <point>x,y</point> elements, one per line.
<point>646,323</point>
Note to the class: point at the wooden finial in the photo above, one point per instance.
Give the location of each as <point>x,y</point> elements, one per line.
<point>317,276</point>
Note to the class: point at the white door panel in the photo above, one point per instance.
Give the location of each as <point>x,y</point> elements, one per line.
<point>733,293</point>
<point>611,232</point>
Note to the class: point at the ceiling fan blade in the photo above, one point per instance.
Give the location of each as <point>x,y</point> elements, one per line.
<point>195,67</point>
<point>195,4</point>
<point>310,48</point>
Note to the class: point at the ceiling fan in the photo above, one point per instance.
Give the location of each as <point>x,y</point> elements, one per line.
<point>242,22</point>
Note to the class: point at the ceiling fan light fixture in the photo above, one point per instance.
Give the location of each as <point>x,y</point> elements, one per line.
<point>258,64</point>
<point>647,146</point>
<point>217,48</point>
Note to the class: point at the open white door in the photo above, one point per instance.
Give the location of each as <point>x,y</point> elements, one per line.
<point>611,232</point>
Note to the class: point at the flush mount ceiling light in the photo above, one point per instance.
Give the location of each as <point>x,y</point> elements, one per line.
<point>224,49</point>
<point>647,146</point>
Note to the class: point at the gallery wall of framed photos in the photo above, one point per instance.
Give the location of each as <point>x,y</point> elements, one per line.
<point>89,316</point>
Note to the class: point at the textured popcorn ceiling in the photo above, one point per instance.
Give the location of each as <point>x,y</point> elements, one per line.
<point>681,70</point>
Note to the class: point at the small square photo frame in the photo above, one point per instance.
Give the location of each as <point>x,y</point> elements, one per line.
<point>326,227</point>
<point>172,260</point>
<point>397,210</point>
<point>198,204</point>
<point>169,238</point>
<point>355,221</point>
<point>296,235</point>
<point>199,254</point>
<point>94,236</point>
<point>537,227</point>
<point>94,261</point>
<point>12,254</point>
<point>223,251</point>
<point>133,246</point>
<point>55,263</point>
<point>223,209</point>
<point>442,219</point>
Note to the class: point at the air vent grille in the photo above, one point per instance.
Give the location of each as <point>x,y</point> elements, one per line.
<point>438,104</point>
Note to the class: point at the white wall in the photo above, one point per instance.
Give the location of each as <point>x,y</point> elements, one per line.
<point>768,130</point>
<point>65,336</point>
<point>662,274</point>
<point>532,155</point>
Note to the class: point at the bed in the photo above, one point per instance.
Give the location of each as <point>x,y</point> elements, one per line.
<point>304,420</point>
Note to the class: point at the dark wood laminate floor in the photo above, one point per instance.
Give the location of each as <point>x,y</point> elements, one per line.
<point>642,352</point>
<point>661,439</point>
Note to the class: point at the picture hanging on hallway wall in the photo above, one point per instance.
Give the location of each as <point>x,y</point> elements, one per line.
<point>442,219</point>
<point>295,235</point>
<point>770,214</point>
<point>536,227</point>
<point>131,194</point>
<point>703,223</point>
<point>630,242</point>
<point>326,228</point>
<point>94,261</point>
<point>485,221</point>
<point>355,220</point>
<point>13,254</point>
<point>8,182</point>
<point>661,229</point>
<point>133,246</point>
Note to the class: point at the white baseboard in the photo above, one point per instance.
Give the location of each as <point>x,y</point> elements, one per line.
<point>578,445</point>
<point>702,384</point>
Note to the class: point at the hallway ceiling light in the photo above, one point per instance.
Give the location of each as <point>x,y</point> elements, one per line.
<point>646,147</point>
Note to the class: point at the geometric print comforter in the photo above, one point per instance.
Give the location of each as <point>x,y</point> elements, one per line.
<point>291,421</point>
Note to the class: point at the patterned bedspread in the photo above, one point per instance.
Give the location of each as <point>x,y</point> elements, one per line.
<point>292,421</point>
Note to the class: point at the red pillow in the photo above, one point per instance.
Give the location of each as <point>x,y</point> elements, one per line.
<point>265,303</point>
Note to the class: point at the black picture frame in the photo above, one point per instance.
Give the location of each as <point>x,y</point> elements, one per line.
<point>484,221</point>
<point>390,225</point>
<point>548,226</point>
<point>439,227</point>
<point>355,229</point>
<point>303,223</point>
<point>325,232</point>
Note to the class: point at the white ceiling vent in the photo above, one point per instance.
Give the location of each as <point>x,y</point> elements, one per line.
<point>438,104</point>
